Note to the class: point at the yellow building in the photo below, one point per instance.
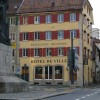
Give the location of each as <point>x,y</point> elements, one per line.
<point>45,28</point>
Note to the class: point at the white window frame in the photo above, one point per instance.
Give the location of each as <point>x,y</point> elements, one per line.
<point>74,33</point>
<point>36,19</point>
<point>48,35</point>
<point>60,17</point>
<point>48,52</point>
<point>72,17</point>
<point>25,36</point>
<point>60,34</point>
<point>36,35</point>
<point>12,36</point>
<point>12,21</point>
<point>60,51</point>
<point>36,52</point>
<point>48,18</point>
<point>24,52</point>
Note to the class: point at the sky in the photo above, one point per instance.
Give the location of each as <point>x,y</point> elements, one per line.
<point>96,12</point>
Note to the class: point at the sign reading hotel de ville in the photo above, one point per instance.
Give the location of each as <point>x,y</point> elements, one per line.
<point>49,61</point>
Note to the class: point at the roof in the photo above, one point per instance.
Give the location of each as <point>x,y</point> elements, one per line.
<point>29,6</point>
<point>14,6</point>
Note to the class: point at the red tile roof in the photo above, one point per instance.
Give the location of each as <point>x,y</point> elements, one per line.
<point>49,5</point>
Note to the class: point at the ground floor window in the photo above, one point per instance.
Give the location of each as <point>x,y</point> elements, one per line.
<point>38,72</point>
<point>58,72</point>
<point>48,72</point>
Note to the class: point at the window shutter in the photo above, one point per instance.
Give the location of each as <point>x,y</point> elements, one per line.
<point>54,18</point>
<point>40,52</point>
<point>77,33</point>
<point>21,36</point>
<point>20,52</point>
<point>65,34</point>
<point>56,51</point>
<point>30,19</point>
<point>77,16</point>
<point>44,52</point>
<point>42,35</point>
<point>21,20</point>
<point>16,20</point>
<point>31,36</point>
<point>52,51</point>
<point>42,19</point>
<point>29,53</point>
<point>67,17</point>
<point>65,51</point>
<point>68,34</point>
<point>54,35</point>
<point>32,52</point>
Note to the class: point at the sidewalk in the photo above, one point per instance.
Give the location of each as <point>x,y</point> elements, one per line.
<point>38,92</point>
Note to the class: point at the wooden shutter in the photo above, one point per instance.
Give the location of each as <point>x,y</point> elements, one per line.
<point>21,36</point>
<point>67,17</point>
<point>42,35</point>
<point>56,51</point>
<point>65,51</point>
<point>42,19</point>
<point>77,33</point>
<point>54,35</point>
<point>68,34</point>
<point>52,52</point>
<point>54,18</point>
<point>20,52</point>
<point>30,19</point>
<point>44,52</point>
<point>77,16</point>
<point>40,52</point>
<point>29,52</point>
<point>32,52</point>
<point>21,20</point>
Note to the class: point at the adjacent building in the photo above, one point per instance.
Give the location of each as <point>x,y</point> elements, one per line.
<point>43,38</point>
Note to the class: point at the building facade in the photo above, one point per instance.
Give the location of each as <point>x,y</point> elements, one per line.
<point>45,40</point>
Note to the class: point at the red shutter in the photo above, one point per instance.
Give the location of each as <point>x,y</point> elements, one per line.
<point>52,51</point>
<point>77,16</point>
<point>40,52</point>
<point>68,34</point>
<point>21,20</point>
<point>21,36</point>
<point>42,19</point>
<point>54,18</point>
<point>29,52</point>
<point>30,36</point>
<point>67,17</point>
<point>54,35</point>
<point>77,33</point>
<point>65,51</point>
<point>42,35</point>
<point>20,52</point>
<point>32,52</point>
<point>68,48</point>
<point>30,19</point>
<point>65,34</point>
<point>44,52</point>
<point>56,51</point>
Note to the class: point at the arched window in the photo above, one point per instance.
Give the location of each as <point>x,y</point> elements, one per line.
<point>38,72</point>
<point>58,72</point>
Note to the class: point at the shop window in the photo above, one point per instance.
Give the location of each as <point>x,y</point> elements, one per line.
<point>58,72</point>
<point>48,72</point>
<point>38,73</point>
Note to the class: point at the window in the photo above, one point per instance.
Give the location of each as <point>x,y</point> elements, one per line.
<point>12,36</point>
<point>24,52</point>
<point>38,72</point>
<point>24,19</point>
<point>48,72</point>
<point>36,19</point>
<point>48,51</point>
<point>58,72</point>
<point>60,34</point>
<point>48,18</point>
<point>60,17</point>
<point>48,35</point>
<point>60,51</point>
<point>73,17</point>
<point>12,21</point>
<point>25,36</point>
<point>73,33</point>
<point>36,52</point>
<point>36,36</point>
